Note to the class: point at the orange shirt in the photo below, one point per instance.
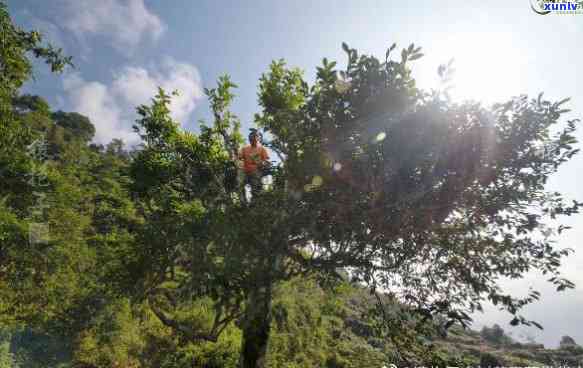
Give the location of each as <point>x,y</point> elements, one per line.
<point>252,157</point>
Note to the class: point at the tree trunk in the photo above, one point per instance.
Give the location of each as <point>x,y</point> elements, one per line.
<point>257,320</point>
<point>256,327</point>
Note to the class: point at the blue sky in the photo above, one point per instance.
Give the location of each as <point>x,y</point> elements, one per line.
<point>124,49</point>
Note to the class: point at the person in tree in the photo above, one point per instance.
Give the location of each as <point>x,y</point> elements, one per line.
<point>255,160</point>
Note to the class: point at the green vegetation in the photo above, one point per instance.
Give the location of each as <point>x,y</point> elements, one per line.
<point>311,328</point>
<point>495,335</point>
<point>393,214</point>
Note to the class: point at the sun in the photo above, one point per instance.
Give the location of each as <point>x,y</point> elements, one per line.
<point>488,66</point>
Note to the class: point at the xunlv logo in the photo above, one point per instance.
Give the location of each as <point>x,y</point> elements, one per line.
<point>548,7</point>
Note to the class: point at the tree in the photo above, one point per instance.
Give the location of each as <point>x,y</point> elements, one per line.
<point>29,103</point>
<point>15,69</point>
<point>78,125</point>
<point>425,201</point>
<point>568,344</point>
<point>495,335</point>
<point>567,341</point>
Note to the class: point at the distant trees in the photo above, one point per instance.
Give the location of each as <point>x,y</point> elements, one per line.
<point>27,103</point>
<point>78,126</point>
<point>495,335</point>
<point>567,341</point>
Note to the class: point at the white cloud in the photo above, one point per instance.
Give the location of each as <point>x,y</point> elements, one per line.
<point>136,85</point>
<point>126,23</point>
<point>94,100</point>
<point>112,108</point>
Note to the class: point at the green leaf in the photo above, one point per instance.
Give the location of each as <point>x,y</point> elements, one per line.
<point>563,101</point>
<point>416,56</point>
<point>537,325</point>
<point>345,47</point>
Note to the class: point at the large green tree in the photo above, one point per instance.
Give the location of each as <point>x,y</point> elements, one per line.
<point>427,201</point>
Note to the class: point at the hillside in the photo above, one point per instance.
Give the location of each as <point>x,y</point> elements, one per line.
<point>312,328</point>
<point>470,343</point>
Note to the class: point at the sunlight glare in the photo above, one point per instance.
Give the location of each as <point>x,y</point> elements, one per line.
<point>488,66</point>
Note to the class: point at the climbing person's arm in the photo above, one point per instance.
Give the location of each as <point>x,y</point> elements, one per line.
<point>265,164</point>
<point>264,155</point>
<point>240,158</point>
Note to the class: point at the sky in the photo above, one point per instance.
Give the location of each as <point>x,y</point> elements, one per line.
<point>124,49</point>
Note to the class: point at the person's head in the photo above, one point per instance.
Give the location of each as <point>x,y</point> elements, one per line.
<point>254,138</point>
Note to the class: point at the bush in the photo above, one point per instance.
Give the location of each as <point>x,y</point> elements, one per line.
<point>573,349</point>
<point>489,360</point>
<point>495,335</point>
